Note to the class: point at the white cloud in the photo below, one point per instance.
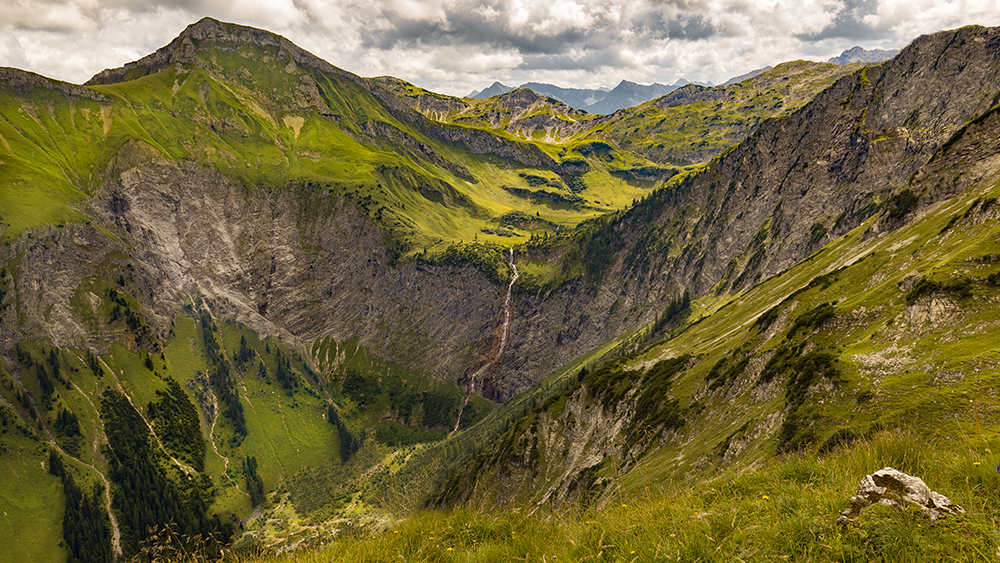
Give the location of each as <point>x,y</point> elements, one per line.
<point>561,16</point>
<point>55,16</point>
<point>455,46</point>
<point>915,17</point>
<point>273,14</point>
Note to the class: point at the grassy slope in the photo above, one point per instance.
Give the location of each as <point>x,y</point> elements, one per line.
<point>713,119</point>
<point>255,125</point>
<point>784,509</point>
<point>894,360</point>
<point>30,505</point>
<point>686,127</point>
<point>43,175</point>
<point>287,431</point>
<point>261,144</point>
<point>495,114</point>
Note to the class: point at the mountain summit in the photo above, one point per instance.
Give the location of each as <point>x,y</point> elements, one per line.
<point>183,50</point>
<point>860,55</point>
<point>601,101</point>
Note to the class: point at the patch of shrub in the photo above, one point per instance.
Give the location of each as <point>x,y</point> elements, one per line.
<point>727,369</point>
<point>500,232</point>
<point>364,389</point>
<point>518,219</point>
<point>960,287</point>
<point>816,233</point>
<point>394,434</point>
<point>901,204</point>
<point>812,319</point>
<point>677,310</point>
<point>576,184</point>
<point>487,256</point>
<point>765,321</point>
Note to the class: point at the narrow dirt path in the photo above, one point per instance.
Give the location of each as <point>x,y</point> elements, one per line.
<point>215,401</point>
<point>116,534</point>
<point>187,469</point>
<point>215,448</point>
<point>115,530</point>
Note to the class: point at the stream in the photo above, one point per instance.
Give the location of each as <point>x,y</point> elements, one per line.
<point>505,316</point>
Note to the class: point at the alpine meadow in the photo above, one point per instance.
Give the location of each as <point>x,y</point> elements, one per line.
<point>256,308</point>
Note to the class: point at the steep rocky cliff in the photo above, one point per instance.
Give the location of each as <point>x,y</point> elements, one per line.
<point>293,263</point>
<point>794,184</point>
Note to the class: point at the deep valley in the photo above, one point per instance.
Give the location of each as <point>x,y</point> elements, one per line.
<point>253,305</point>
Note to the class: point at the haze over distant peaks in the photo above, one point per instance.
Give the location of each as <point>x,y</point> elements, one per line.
<point>598,101</point>
<point>860,55</point>
<point>497,89</point>
<point>576,98</point>
<point>742,77</point>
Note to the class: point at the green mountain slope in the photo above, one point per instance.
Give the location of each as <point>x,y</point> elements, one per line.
<point>260,109</point>
<point>886,326</point>
<point>238,282</point>
<point>767,203</point>
<point>696,123</point>
<point>687,127</point>
<point>159,219</point>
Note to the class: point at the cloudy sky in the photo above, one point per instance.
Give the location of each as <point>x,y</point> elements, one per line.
<point>455,46</point>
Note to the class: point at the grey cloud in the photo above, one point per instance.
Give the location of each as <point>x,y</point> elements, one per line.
<point>690,28</point>
<point>656,24</point>
<point>593,61</point>
<point>70,15</point>
<point>849,25</point>
<point>469,42</point>
<point>464,26</point>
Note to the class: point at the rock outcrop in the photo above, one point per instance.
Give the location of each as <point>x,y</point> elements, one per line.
<point>894,488</point>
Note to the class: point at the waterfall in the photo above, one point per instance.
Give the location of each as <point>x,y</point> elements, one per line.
<point>494,359</point>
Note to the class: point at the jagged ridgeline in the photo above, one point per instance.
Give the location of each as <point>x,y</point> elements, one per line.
<point>244,293</point>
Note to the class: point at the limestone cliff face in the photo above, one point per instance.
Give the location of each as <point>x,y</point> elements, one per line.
<point>290,263</point>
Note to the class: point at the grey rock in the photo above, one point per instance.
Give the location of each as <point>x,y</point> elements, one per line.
<point>894,488</point>
<point>861,55</point>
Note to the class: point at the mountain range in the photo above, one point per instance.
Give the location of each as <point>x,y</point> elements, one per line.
<point>601,102</point>
<point>861,55</point>
<point>629,94</point>
<point>252,301</point>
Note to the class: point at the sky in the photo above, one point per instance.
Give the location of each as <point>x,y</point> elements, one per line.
<point>456,46</point>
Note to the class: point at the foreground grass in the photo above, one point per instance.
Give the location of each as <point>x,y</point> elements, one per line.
<point>784,510</point>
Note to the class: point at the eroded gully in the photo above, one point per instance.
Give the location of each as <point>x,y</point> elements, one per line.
<point>503,332</point>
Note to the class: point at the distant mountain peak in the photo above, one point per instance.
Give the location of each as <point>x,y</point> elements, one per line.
<point>495,89</point>
<point>860,55</point>
<point>742,77</point>
<point>599,100</point>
